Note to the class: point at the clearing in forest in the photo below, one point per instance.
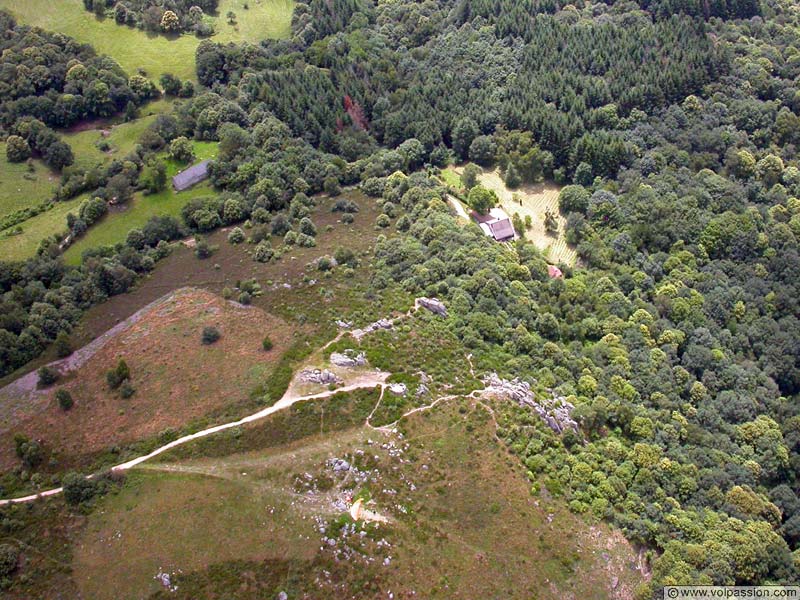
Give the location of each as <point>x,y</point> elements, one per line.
<point>532,200</point>
<point>176,377</point>
<point>155,54</point>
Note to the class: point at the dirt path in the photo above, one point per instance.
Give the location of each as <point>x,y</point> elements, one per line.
<point>363,380</point>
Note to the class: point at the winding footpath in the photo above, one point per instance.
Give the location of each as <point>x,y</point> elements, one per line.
<point>283,403</point>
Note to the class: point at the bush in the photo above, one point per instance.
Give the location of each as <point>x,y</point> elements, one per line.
<point>30,452</point>
<point>383,220</point>
<point>210,335</point>
<point>306,241</point>
<point>290,239</point>
<point>78,489</point>
<point>115,377</point>
<point>126,390</point>
<point>345,256</point>
<point>236,236</point>
<point>62,346</point>
<point>345,206</point>
<point>307,227</point>
<point>280,225</point>
<point>263,252</point>
<point>47,376</point>
<point>64,399</point>
<point>17,149</point>
<point>348,218</point>
<point>9,557</point>
<point>266,344</point>
<point>203,249</point>
<point>245,298</point>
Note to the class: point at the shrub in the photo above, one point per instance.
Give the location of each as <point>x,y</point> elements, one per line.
<point>30,452</point>
<point>290,238</point>
<point>47,376</point>
<point>64,399</point>
<point>383,220</point>
<point>266,344</point>
<point>62,346</point>
<point>346,206</point>
<point>345,256</point>
<point>9,557</point>
<point>236,236</point>
<point>280,225</point>
<point>210,335</point>
<point>17,149</point>
<point>403,223</point>
<point>307,227</point>
<point>263,252</point>
<point>324,263</point>
<point>245,298</point>
<point>331,186</point>
<point>348,218</point>
<point>115,376</point>
<point>306,241</point>
<point>126,390</point>
<point>202,249</point>
<point>78,489</point>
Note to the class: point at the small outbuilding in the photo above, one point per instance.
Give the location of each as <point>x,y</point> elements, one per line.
<point>189,177</point>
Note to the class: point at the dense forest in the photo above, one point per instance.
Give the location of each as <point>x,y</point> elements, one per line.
<point>674,126</point>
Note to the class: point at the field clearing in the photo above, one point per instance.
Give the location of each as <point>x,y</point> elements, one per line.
<point>175,376</point>
<point>456,505</point>
<point>121,136</point>
<point>114,227</point>
<point>135,49</point>
<point>24,245</point>
<point>20,187</point>
<point>536,199</point>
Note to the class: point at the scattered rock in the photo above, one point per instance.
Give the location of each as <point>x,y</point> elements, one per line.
<point>323,377</point>
<point>347,359</point>
<point>422,389</point>
<point>339,464</point>
<point>343,324</point>
<point>434,305</point>
<point>398,389</point>
<point>555,411</point>
<point>379,324</point>
<point>614,582</point>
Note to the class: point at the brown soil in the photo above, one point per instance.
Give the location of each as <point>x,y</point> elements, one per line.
<point>176,377</point>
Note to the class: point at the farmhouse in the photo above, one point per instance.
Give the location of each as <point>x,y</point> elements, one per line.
<point>194,174</point>
<point>496,224</point>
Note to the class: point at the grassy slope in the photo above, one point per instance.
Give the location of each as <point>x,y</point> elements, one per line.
<point>20,247</point>
<point>19,188</point>
<point>134,49</point>
<point>468,527</point>
<point>115,226</point>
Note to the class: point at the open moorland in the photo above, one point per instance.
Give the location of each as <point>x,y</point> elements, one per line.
<point>175,377</point>
<point>136,50</point>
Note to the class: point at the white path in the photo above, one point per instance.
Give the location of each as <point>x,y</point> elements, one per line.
<point>285,402</point>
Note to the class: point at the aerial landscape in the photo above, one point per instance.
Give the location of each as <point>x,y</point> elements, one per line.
<point>398,299</point>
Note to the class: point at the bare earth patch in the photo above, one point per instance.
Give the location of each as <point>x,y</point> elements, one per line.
<point>175,376</point>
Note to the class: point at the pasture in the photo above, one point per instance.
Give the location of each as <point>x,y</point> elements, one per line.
<point>176,377</point>
<point>23,245</point>
<point>462,522</point>
<point>114,227</point>
<point>24,184</point>
<point>153,54</point>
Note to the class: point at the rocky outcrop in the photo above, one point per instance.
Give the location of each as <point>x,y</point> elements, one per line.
<point>398,389</point>
<point>555,411</point>
<point>322,377</point>
<point>379,324</point>
<point>434,305</point>
<point>349,359</point>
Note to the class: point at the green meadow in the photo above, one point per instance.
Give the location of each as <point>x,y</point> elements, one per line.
<point>114,227</point>
<point>135,49</point>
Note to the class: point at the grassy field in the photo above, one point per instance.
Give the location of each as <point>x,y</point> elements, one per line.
<point>121,136</point>
<point>35,229</point>
<point>21,187</point>
<point>535,200</point>
<point>176,378</point>
<point>115,226</point>
<point>462,523</point>
<point>134,49</point>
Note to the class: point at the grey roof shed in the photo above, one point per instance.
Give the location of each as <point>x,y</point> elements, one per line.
<point>194,174</point>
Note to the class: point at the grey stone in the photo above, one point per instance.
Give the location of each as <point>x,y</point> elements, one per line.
<point>434,305</point>
<point>398,389</point>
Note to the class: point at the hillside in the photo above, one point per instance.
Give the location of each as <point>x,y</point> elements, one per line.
<point>313,374</point>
